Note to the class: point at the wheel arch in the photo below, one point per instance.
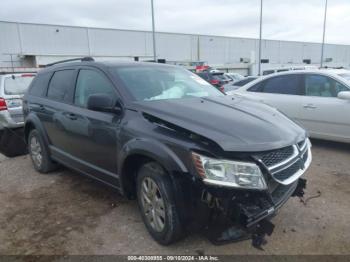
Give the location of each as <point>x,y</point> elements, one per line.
<point>137,152</point>
<point>33,122</point>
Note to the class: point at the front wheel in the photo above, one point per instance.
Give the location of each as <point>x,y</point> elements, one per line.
<point>156,200</point>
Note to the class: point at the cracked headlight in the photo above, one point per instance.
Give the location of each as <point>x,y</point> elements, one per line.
<point>229,173</point>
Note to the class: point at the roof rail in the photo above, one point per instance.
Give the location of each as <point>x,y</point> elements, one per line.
<point>82,59</point>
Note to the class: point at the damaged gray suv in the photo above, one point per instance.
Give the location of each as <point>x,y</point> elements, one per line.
<point>194,158</point>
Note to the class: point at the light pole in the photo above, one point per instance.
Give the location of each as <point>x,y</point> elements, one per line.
<point>324,32</point>
<point>153,34</point>
<point>260,33</point>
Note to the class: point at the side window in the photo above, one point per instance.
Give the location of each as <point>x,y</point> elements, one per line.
<point>287,84</point>
<point>323,86</point>
<point>39,84</point>
<point>91,82</point>
<point>60,85</point>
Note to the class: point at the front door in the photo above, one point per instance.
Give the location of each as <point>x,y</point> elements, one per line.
<point>325,115</point>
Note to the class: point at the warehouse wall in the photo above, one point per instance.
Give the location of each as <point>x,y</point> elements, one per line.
<point>52,42</point>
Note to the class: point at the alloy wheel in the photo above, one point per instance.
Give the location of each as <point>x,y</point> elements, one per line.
<point>153,204</point>
<point>35,151</point>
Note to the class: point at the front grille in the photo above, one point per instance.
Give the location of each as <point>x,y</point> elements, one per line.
<point>286,164</point>
<point>276,156</point>
<point>305,156</point>
<point>288,172</point>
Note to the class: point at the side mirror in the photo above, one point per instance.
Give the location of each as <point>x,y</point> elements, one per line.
<point>344,95</point>
<point>103,103</point>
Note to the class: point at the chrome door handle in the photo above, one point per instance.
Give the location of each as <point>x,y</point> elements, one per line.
<point>310,106</point>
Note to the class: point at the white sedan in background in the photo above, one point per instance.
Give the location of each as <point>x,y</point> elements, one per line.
<point>319,100</point>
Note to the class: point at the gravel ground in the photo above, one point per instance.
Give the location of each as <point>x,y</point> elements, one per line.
<point>66,213</point>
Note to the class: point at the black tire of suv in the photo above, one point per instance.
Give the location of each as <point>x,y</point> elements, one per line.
<point>173,230</point>
<point>47,164</point>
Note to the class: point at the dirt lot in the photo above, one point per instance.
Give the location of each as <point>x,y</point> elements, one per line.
<point>65,213</point>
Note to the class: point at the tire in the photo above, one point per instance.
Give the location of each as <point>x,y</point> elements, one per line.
<point>170,230</point>
<point>38,149</point>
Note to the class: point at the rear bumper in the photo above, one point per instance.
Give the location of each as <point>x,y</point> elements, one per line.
<point>8,121</point>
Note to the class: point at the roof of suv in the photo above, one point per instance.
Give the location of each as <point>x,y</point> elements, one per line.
<point>103,64</point>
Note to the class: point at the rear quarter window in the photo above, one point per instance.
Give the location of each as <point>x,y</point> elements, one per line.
<point>61,85</point>
<point>39,84</point>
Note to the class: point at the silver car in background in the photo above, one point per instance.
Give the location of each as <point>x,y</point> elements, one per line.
<point>12,88</point>
<point>318,100</point>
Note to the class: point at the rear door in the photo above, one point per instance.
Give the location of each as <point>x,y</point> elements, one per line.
<point>282,92</point>
<point>55,107</point>
<point>325,115</point>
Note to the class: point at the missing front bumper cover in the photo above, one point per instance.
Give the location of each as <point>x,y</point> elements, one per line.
<point>248,218</point>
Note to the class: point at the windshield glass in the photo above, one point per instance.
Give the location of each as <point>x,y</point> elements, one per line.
<point>17,84</point>
<point>156,82</point>
<point>346,76</point>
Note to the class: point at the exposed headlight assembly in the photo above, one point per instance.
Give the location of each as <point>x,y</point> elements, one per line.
<point>229,173</point>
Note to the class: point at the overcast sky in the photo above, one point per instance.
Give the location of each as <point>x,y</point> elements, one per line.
<point>300,20</point>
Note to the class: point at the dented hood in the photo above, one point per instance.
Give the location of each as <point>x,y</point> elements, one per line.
<point>235,124</point>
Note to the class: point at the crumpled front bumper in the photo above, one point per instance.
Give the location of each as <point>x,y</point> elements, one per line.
<point>241,214</point>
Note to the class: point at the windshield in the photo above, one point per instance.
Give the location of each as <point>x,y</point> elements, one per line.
<point>346,76</point>
<point>156,82</point>
<point>17,84</point>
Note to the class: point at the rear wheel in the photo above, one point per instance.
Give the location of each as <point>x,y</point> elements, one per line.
<point>39,153</point>
<point>155,195</point>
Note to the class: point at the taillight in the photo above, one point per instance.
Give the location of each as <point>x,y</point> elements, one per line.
<point>3,105</point>
<point>214,82</point>
<point>27,75</point>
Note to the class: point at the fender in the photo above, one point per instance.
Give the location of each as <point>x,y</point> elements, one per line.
<point>150,148</point>
<point>35,121</point>
<point>153,149</point>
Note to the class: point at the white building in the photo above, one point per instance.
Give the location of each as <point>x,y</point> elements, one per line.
<point>33,45</point>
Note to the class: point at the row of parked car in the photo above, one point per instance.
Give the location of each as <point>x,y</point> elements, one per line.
<point>225,81</point>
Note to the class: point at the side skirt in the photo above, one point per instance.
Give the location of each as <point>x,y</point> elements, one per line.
<point>86,168</point>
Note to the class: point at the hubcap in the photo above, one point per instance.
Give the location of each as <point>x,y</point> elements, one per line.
<point>153,204</point>
<point>35,151</point>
